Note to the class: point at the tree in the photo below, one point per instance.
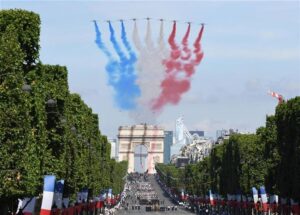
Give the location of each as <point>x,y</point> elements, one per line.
<point>268,137</point>
<point>287,119</point>
<point>50,130</point>
<point>27,32</point>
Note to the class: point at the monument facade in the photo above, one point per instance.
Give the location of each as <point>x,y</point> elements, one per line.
<point>150,136</point>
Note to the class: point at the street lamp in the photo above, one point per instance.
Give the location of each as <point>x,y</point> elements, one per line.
<point>26,88</point>
<point>73,129</point>
<point>51,103</point>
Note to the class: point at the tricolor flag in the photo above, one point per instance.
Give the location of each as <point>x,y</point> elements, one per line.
<point>58,194</point>
<point>48,194</point>
<point>27,206</point>
<point>79,197</point>
<point>109,196</point>
<point>255,195</point>
<point>66,202</point>
<point>182,195</point>
<point>211,198</point>
<point>264,198</point>
<point>274,199</point>
<point>84,194</point>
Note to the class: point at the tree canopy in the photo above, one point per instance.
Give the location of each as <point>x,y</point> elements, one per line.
<point>47,130</point>
<point>270,157</point>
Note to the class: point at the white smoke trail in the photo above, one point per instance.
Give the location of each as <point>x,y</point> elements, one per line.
<point>151,71</point>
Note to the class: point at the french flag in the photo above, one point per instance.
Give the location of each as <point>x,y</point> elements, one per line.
<point>84,194</point>
<point>255,195</point>
<point>48,194</point>
<point>211,198</point>
<point>264,198</point>
<point>182,195</point>
<point>109,195</point>
<point>59,187</point>
<point>66,202</point>
<point>273,202</point>
<point>30,204</point>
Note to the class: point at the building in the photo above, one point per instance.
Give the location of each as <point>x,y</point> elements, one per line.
<point>189,144</point>
<point>168,142</point>
<point>199,133</point>
<point>142,144</point>
<point>113,149</point>
<point>224,135</point>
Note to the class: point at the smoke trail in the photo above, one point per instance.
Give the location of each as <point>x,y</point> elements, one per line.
<point>126,43</point>
<point>99,42</point>
<point>115,44</point>
<point>151,71</point>
<point>185,45</point>
<point>197,51</point>
<point>136,37</point>
<point>179,71</point>
<point>121,75</point>
<point>175,52</point>
<point>126,89</point>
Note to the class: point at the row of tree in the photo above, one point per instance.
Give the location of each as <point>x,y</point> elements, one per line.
<point>45,129</point>
<point>270,157</point>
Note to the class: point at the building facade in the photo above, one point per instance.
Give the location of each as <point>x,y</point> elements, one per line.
<point>150,136</point>
<point>199,133</point>
<point>113,149</point>
<point>168,142</point>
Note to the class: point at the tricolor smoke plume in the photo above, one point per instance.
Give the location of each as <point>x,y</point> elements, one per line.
<point>180,66</point>
<point>150,71</point>
<point>120,72</point>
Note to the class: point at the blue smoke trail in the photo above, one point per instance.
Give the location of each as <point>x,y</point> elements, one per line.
<point>99,42</point>
<point>121,72</point>
<point>126,43</point>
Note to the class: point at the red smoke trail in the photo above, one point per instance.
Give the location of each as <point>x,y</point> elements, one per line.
<point>172,63</point>
<point>189,67</point>
<point>185,44</point>
<point>176,83</point>
<point>198,52</point>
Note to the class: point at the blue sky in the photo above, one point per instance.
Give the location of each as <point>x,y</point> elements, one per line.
<point>249,47</point>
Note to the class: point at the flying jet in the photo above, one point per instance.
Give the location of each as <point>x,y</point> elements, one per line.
<point>134,19</point>
<point>147,18</point>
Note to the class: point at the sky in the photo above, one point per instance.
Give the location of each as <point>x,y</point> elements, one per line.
<point>249,47</point>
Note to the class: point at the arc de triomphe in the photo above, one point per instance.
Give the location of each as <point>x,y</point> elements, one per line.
<point>148,135</point>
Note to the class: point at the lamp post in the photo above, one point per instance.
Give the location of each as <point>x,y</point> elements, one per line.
<point>25,88</point>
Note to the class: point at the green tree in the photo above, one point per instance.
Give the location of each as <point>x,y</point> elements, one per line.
<point>288,136</point>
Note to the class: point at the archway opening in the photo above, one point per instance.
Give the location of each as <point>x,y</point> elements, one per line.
<point>140,158</point>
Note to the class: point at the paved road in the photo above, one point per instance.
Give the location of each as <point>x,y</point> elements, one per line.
<point>162,196</point>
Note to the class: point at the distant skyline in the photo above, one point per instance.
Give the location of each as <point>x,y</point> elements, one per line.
<point>249,48</point>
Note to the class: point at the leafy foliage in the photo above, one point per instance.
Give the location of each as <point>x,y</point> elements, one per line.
<point>271,157</point>
<point>49,130</point>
